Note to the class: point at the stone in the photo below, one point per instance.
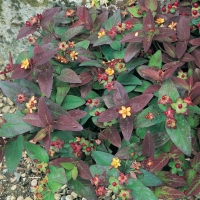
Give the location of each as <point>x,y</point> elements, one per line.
<point>5,109</point>
<point>12,198</point>
<point>9,102</point>
<point>33,182</point>
<point>57,196</point>
<point>28,198</point>
<point>13,187</point>
<point>68,197</point>
<point>84,198</point>
<point>8,197</point>
<point>20,198</point>
<point>74,195</point>
<point>2,77</point>
<point>1,105</point>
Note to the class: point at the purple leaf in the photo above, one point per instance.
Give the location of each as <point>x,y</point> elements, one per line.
<point>47,140</point>
<point>160,162</point>
<point>136,36</point>
<point>181,82</point>
<point>123,153</point>
<point>101,19</point>
<point>48,38</point>
<point>147,73</point>
<point>148,145</point>
<point>195,42</point>
<point>148,21</point>
<point>38,49</point>
<point>170,49</point>
<point>44,113</point>
<point>151,89</point>
<point>68,75</point>
<point>151,4</point>
<point>26,30</point>
<point>196,54</point>
<point>187,58</point>
<point>65,122</point>
<point>139,102</point>
<point>126,126</point>
<point>33,119</point>
<point>20,73</point>
<point>147,42</point>
<point>83,170</point>
<point>132,50</point>
<point>108,115</point>
<point>170,65</point>
<point>120,95</point>
<point>164,33</point>
<point>85,89</point>
<point>183,29</point>
<point>45,81</point>
<point>77,114</point>
<point>181,47</point>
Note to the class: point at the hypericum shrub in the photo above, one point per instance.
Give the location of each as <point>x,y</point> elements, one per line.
<point>108,103</point>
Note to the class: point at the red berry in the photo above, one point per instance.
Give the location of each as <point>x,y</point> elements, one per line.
<point>124,195</point>
<point>169,6</point>
<point>35,160</point>
<point>47,171</point>
<point>79,154</point>
<point>88,149</point>
<point>164,9</point>
<point>28,23</point>
<point>180,106</point>
<point>176,3</point>
<point>185,192</point>
<point>194,12</point>
<point>39,16</point>
<point>105,78</point>
<point>114,184</point>
<point>183,14</point>
<point>195,5</point>
<point>177,165</point>
<point>198,25</point>
<point>97,113</point>
<point>89,101</point>
<point>149,51</point>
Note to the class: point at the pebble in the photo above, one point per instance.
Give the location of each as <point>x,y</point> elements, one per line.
<point>5,109</point>
<point>2,77</point>
<point>8,197</point>
<point>12,110</point>
<point>68,197</point>
<point>57,196</point>
<point>13,187</point>
<point>1,105</point>
<point>28,198</point>
<point>17,175</point>
<point>34,182</point>
<point>84,198</point>
<point>9,102</point>
<point>12,198</point>
<point>63,198</point>
<point>20,198</point>
<point>74,195</point>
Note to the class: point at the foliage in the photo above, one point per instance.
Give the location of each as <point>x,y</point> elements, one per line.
<point>108,102</point>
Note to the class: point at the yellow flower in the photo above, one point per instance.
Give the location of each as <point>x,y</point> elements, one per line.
<point>73,55</point>
<point>125,111</point>
<point>116,162</point>
<point>160,20</point>
<point>101,33</point>
<point>172,25</point>
<point>109,71</point>
<point>25,64</point>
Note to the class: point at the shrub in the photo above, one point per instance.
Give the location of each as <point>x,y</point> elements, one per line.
<point>108,103</point>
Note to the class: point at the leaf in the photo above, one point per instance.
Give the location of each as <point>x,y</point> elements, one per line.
<point>132,50</point>
<point>26,30</point>
<point>68,75</point>
<point>83,170</point>
<point>85,89</point>
<point>136,36</point>
<point>116,45</point>
<point>148,145</point>
<point>147,41</point>
<point>126,126</point>
<point>112,135</point>
<point>136,187</point>
<point>36,152</point>
<point>102,158</point>
<point>171,180</point>
<point>92,63</point>
<point>100,19</point>
<point>148,22</point>
<point>45,81</point>
<point>194,188</point>
<point>74,173</point>
<point>156,60</point>
<point>123,153</point>
<point>44,113</point>
<point>108,115</point>
<point>149,179</point>
<point>195,162</point>
<point>40,135</point>
<point>102,40</point>
<point>140,121</point>
<point>98,169</point>
<point>77,114</point>
<point>33,119</point>
<point>71,32</point>
<point>170,49</point>
<point>159,162</point>
<point>181,48</point>
<point>83,188</point>
<point>13,153</point>
<point>47,195</point>
<point>183,29</point>
<point>151,4</point>
<point>190,174</point>
<point>83,44</point>
<point>61,93</point>
<point>181,136</point>
<point>70,102</point>
<point>165,192</point>
<point>65,122</point>
<point>195,42</point>
<point>128,79</point>
<point>14,125</point>
<point>113,20</point>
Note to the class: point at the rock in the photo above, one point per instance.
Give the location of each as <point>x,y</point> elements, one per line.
<point>1,105</point>
<point>12,198</point>
<point>68,197</point>
<point>63,198</point>
<point>9,102</point>
<point>8,197</point>
<point>17,175</point>
<point>4,99</point>
<point>63,187</point>
<point>34,182</point>
<point>28,198</point>
<point>84,198</point>
<point>57,196</point>
<point>13,179</point>
<point>2,77</point>
<point>5,109</point>
<point>74,195</point>
<point>20,198</point>
<point>13,187</point>
<point>12,110</point>
<point>23,175</point>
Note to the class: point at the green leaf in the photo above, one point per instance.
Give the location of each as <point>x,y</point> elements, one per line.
<point>74,173</point>
<point>83,188</point>
<point>128,79</point>
<point>151,4</point>
<point>143,87</point>
<point>134,10</point>
<point>70,102</point>
<point>83,44</point>
<point>113,20</point>
<point>102,40</point>
<point>91,63</point>
<point>156,60</point>
<point>181,136</point>
<point>98,169</point>
<point>190,174</point>
<point>23,55</point>
<point>67,165</point>
<point>71,32</point>
<point>119,54</point>
<point>91,95</point>
<point>47,195</point>
<point>36,152</point>
<point>139,191</point>
<point>107,52</point>
<point>116,45</point>
<point>149,179</point>
<point>140,121</point>
<point>194,109</point>
<point>14,125</point>
<point>13,153</point>
<point>61,93</point>
<point>102,158</point>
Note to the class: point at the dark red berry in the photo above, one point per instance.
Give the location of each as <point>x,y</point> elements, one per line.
<point>105,78</point>
<point>124,195</point>
<point>79,154</point>
<point>114,184</point>
<point>89,101</point>
<point>176,3</point>
<point>195,5</point>
<point>97,113</point>
<point>35,160</point>
<point>28,23</point>
<point>164,9</point>
<point>177,165</point>
<point>47,171</point>
<point>88,149</point>
<point>39,16</point>
<point>169,6</point>
<point>194,12</point>
<point>185,192</point>
<point>183,14</point>
<point>149,51</point>
<point>198,25</point>
<point>180,106</point>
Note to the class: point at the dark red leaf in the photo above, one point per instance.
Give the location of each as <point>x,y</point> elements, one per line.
<point>70,76</point>
<point>108,100</point>
<point>101,19</point>
<point>45,81</point>
<point>170,49</point>
<point>195,90</point>
<point>148,21</point>
<point>147,73</point>
<point>151,89</point>
<point>123,153</point>
<point>147,42</point>
<point>44,113</point>
<point>168,73</point>
<point>77,114</point>
<point>26,30</point>
<point>77,23</point>
<point>170,65</point>
<point>195,42</point>
<point>112,135</point>
<point>196,54</point>
<point>20,73</point>
<point>83,170</point>
<point>159,162</point>
<point>47,140</point>
<point>187,58</point>
<point>132,50</point>
<point>180,82</point>
<point>65,122</point>
<point>183,29</point>
<point>148,145</point>
<point>33,119</point>
<point>164,33</point>
<point>181,47</point>
<point>120,95</point>
<point>57,161</point>
<point>48,14</point>
<point>38,49</point>
<point>85,89</point>
<point>126,126</point>
<point>136,36</point>
<point>139,102</point>
<point>108,115</point>
<point>194,187</point>
<point>48,38</point>
<point>175,151</point>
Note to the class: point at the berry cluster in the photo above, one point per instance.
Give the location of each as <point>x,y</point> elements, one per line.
<point>34,20</point>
